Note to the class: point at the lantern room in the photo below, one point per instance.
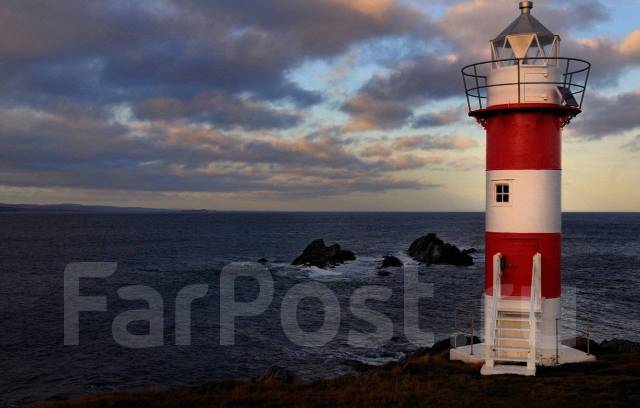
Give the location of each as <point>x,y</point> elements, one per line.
<point>525,39</point>
<point>526,68</point>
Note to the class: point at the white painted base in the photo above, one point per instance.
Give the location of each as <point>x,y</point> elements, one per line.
<point>566,355</point>
<point>507,370</point>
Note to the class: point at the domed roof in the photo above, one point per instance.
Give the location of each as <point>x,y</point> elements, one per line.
<point>526,24</point>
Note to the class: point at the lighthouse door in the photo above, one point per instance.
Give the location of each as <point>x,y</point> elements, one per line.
<point>516,276</point>
<point>535,90</point>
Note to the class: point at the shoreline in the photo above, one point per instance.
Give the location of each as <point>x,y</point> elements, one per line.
<point>425,377</point>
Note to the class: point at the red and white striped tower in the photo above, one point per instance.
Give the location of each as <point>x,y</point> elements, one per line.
<point>523,97</point>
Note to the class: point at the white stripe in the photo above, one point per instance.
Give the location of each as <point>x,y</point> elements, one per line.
<point>534,201</point>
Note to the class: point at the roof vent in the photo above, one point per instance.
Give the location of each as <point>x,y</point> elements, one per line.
<point>526,6</point>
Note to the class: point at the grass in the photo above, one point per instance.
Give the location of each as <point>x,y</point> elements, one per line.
<point>429,380</point>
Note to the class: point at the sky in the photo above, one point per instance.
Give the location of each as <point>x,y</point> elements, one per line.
<point>319,105</point>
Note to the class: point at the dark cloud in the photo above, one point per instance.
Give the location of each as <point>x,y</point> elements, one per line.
<point>223,111</point>
<point>318,27</point>
<point>607,115</point>
<point>441,118</point>
<point>388,101</point>
<point>88,149</point>
<point>118,51</point>
<point>196,74</point>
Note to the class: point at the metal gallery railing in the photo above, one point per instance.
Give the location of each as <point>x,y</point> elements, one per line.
<point>572,86</point>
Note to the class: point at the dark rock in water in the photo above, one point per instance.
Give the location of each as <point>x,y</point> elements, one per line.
<point>382,272</point>
<point>620,346</point>
<point>278,374</point>
<point>469,251</point>
<point>430,249</point>
<point>391,262</point>
<point>263,260</point>
<point>580,343</point>
<point>320,255</point>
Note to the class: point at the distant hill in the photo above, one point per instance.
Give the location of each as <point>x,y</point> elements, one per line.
<point>78,208</point>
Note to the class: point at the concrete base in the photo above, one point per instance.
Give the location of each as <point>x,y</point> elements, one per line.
<point>566,355</point>
<point>507,370</point>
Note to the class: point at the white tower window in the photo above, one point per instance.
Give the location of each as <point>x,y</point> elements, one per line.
<point>503,193</point>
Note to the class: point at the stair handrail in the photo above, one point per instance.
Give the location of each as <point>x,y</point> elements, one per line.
<point>496,290</point>
<point>459,330</point>
<point>535,302</point>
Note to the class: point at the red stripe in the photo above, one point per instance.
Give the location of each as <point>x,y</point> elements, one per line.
<point>524,140</point>
<point>518,250</point>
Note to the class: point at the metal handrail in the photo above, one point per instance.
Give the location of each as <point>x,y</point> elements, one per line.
<point>457,330</point>
<point>534,303</point>
<point>587,332</point>
<point>475,92</point>
<point>497,292</point>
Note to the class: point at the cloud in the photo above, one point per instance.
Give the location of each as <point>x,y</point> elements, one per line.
<point>633,145</point>
<point>471,24</point>
<point>220,110</point>
<point>414,143</point>
<point>430,142</point>
<point>609,58</point>
<point>89,150</point>
<point>608,115</point>
<point>440,118</point>
<point>180,49</point>
<point>368,112</point>
<point>217,104</point>
<point>386,102</point>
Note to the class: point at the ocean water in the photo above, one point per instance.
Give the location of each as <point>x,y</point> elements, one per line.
<point>601,288</point>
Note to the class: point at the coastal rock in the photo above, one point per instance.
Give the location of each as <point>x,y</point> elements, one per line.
<point>278,374</point>
<point>320,255</point>
<point>391,262</point>
<point>263,260</point>
<point>620,346</point>
<point>430,250</point>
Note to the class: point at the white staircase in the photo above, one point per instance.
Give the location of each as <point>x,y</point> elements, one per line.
<point>511,343</point>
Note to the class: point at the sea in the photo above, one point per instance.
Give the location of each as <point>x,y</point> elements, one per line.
<point>168,252</point>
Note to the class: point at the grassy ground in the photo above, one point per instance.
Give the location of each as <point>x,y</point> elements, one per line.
<point>429,380</point>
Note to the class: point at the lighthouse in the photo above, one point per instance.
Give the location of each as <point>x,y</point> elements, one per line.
<point>523,97</point>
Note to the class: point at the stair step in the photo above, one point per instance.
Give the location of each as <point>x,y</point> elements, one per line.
<point>516,329</point>
<point>516,310</point>
<point>510,348</point>
<point>511,338</point>
<point>512,359</point>
<point>500,369</point>
<point>513,319</point>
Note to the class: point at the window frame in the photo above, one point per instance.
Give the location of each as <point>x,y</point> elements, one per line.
<point>502,194</point>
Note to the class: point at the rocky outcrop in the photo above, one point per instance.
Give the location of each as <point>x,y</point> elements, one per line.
<point>320,255</point>
<point>620,346</point>
<point>278,374</point>
<point>430,250</point>
<point>391,262</point>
